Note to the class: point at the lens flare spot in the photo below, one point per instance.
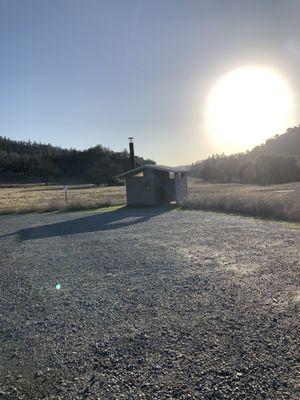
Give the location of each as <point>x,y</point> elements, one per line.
<point>58,286</point>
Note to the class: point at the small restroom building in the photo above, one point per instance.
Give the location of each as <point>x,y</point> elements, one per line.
<point>153,185</point>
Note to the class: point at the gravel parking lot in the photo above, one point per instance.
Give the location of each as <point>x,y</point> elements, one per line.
<point>148,304</point>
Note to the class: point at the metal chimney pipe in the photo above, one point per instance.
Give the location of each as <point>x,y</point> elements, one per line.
<point>131,152</point>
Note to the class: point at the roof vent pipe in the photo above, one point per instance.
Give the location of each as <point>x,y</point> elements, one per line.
<point>131,152</point>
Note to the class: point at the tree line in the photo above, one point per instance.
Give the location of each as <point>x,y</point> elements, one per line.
<point>31,161</point>
<point>275,161</point>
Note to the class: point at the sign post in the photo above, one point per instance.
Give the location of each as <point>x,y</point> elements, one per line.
<point>66,193</point>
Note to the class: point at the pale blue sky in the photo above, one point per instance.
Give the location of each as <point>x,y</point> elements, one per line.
<point>77,73</point>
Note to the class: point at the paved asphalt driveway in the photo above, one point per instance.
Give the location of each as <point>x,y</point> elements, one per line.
<point>148,304</point>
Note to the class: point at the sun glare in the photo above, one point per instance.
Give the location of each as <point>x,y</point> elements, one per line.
<point>247,106</point>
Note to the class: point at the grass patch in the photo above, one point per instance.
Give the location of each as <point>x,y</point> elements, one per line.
<point>22,199</point>
<point>280,202</point>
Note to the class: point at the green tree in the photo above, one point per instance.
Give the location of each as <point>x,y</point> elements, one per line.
<point>247,172</point>
<point>45,169</point>
<point>104,172</point>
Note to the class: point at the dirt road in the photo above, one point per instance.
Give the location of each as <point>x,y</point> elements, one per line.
<point>148,304</point>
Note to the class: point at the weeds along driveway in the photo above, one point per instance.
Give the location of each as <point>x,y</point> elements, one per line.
<point>148,304</point>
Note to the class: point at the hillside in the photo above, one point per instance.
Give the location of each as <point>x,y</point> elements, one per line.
<point>275,161</point>
<point>27,162</point>
<point>287,144</point>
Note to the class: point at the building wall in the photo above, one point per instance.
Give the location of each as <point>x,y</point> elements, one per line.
<point>164,187</point>
<point>180,187</point>
<point>140,189</point>
<point>156,187</point>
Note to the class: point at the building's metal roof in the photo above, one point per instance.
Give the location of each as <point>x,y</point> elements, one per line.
<point>150,166</point>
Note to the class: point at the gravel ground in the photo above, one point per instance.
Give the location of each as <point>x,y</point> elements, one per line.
<point>148,304</point>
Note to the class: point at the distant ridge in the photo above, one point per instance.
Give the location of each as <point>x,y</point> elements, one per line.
<point>275,161</point>
<point>26,161</point>
<point>287,144</point>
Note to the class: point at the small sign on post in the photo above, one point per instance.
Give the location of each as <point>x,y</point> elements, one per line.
<point>66,193</point>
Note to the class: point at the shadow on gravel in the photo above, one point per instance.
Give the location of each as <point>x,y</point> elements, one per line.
<point>101,221</point>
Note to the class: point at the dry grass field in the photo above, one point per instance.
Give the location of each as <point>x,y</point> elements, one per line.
<point>274,201</point>
<point>40,198</point>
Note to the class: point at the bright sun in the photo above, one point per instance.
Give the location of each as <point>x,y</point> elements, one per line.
<point>247,106</point>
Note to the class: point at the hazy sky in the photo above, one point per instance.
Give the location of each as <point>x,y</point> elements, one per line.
<point>77,73</point>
